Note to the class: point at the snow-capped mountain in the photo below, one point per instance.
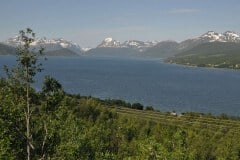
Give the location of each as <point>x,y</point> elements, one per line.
<point>85,49</point>
<point>138,44</point>
<point>231,36</point>
<point>133,44</point>
<point>210,37</point>
<point>48,44</point>
<point>228,36</point>
<point>109,46</point>
<point>109,43</point>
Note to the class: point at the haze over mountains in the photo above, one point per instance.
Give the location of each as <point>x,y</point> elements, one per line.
<point>130,48</point>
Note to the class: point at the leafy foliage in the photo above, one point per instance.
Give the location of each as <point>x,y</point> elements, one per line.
<point>86,128</point>
<point>21,77</point>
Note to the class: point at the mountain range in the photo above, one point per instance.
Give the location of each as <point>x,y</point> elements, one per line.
<point>130,48</point>
<point>52,47</point>
<point>164,49</point>
<point>210,50</point>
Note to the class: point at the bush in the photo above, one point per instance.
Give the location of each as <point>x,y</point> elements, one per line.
<point>149,108</point>
<point>137,106</point>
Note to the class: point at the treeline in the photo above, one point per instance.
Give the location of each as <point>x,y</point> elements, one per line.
<point>116,103</point>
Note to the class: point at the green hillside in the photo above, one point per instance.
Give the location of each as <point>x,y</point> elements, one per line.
<point>215,54</point>
<point>81,127</point>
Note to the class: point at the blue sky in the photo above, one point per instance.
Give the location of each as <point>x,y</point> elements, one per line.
<point>88,22</point>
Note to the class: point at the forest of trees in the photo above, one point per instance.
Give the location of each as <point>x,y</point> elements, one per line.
<point>52,124</point>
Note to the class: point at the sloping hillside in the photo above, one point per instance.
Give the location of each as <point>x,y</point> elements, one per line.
<point>214,54</point>
<point>112,52</point>
<point>162,50</point>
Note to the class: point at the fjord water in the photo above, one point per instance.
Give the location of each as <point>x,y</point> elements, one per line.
<point>167,87</point>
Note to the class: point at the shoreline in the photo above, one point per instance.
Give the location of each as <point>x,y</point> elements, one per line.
<point>207,67</point>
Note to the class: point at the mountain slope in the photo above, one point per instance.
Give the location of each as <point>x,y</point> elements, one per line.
<point>212,54</point>
<point>135,48</point>
<point>109,43</point>
<point>113,48</point>
<point>61,52</point>
<point>112,52</point>
<point>5,49</point>
<point>162,50</point>
<point>49,45</point>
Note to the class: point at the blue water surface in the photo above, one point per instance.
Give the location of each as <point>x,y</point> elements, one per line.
<point>167,87</point>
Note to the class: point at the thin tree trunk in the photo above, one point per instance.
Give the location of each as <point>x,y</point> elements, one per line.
<point>28,119</point>
<point>44,142</point>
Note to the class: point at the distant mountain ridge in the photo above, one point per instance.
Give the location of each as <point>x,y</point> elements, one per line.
<point>158,49</point>
<point>210,50</point>
<point>50,45</point>
<point>209,37</point>
<point>111,47</point>
<point>136,44</point>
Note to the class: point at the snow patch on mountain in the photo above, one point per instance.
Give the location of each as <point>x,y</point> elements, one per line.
<point>86,49</point>
<point>213,36</point>
<point>109,43</point>
<point>108,40</point>
<point>228,36</point>
<point>231,36</point>
<point>48,44</point>
<point>134,44</point>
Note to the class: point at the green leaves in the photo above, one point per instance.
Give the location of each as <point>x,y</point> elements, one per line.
<point>51,86</point>
<point>84,128</point>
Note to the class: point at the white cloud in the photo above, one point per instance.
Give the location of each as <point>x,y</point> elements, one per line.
<point>183,11</point>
